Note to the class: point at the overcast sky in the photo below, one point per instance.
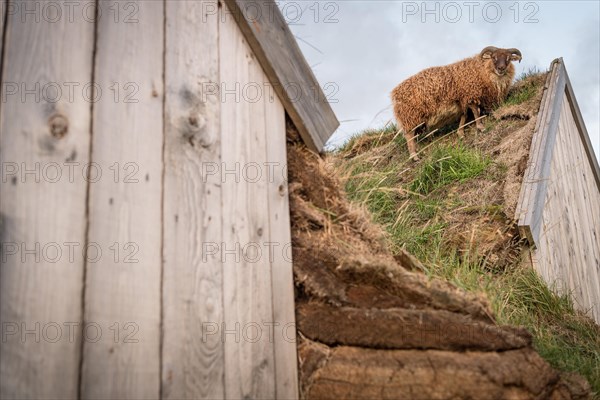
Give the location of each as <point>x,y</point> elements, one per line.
<point>366,47</point>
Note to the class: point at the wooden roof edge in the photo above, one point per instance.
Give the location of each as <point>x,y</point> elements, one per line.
<point>583,133</point>
<point>533,189</point>
<point>278,53</point>
<point>525,191</point>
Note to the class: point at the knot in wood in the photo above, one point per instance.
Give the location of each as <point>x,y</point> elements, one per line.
<point>59,126</point>
<point>196,121</point>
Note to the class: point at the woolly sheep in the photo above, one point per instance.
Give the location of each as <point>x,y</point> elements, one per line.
<point>438,96</point>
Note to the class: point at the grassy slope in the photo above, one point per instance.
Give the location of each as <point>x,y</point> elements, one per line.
<point>429,209</point>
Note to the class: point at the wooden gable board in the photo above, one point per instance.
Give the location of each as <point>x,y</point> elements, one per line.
<point>274,45</point>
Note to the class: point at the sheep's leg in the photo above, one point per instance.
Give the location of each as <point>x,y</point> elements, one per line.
<point>412,144</point>
<point>476,114</point>
<point>461,125</point>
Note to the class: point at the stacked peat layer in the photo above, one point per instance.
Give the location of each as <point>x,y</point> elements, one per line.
<point>370,328</point>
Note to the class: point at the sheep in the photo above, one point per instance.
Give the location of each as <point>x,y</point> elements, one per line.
<point>438,96</point>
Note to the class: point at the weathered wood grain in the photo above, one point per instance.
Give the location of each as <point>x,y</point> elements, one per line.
<point>44,135</point>
<point>248,314</point>
<point>538,169</point>
<point>544,153</point>
<point>286,360</point>
<point>569,249</point>
<point>528,184</point>
<point>193,366</point>
<point>3,5</point>
<point>123,287</point>
<point>160,192</point>
<point>559,217</point>
<point>583,207</point>
<point>274,45</point>
<point>568,162</point>
<point>559,205</point>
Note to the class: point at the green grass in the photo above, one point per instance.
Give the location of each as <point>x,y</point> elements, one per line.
<point>525,88</point>
<point>410,202</point>
<point>448,164</point>
<point>521,95</point>
<point>388,129</point>
<point>526,75</point>
<point>568,341</point>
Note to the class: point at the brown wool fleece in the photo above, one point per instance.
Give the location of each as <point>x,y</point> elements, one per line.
<point>449,90</point>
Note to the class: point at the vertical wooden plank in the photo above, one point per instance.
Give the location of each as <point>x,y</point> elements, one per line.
<point>573,258</point>
<point>45,134</point>
<point>565,236</point>
<point>248,314</point>
<point>123,286</point>
<point>192,288</point>
<point>261,351</point>
<point>546,244</point>
<point>552,231</point>
<point>286,360</point>
<point>3,5</point>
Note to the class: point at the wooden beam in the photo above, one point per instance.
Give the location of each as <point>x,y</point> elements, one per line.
<point>193,365</point>
<point>286,360</point>
<point>274,45</point>
<point>45,136</point>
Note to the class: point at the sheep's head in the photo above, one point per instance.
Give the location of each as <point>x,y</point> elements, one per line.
<point>500,59</point>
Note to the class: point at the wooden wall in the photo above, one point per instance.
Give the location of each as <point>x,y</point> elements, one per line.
<point>180,281</point>
<point>42,217</point>
<point>563,220</point>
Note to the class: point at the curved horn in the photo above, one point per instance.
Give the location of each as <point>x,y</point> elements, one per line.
<point>515,53</point>
<point>489,49</point>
